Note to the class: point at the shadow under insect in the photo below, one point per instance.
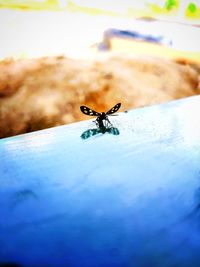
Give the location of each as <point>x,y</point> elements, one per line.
<point>99,130</point>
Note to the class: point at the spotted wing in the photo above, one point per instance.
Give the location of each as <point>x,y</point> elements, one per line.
<point>114,109</point>
<point>88,111</point>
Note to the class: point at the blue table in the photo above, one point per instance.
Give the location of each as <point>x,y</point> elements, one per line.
<point>124,200</point>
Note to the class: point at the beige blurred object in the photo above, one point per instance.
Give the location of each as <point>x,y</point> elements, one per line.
<point>45,92</point>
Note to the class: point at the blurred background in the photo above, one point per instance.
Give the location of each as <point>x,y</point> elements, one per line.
<point>56,55</point>
<point>32,28</point>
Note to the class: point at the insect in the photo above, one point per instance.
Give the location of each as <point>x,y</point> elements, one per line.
<point>101,116</point>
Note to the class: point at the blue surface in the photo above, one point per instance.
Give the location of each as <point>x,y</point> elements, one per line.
<point>108,201</point>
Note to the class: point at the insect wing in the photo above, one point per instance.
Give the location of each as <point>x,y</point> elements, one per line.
<point>114,109</point>
<point>88,111</point>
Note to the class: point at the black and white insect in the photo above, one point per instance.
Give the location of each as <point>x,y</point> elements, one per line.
<point>101,116</point>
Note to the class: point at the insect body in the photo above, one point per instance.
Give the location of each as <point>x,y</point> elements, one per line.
<point>101,116</point>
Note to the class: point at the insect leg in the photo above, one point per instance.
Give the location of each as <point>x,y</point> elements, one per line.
<point>108,123</point>
<point>97,122</point>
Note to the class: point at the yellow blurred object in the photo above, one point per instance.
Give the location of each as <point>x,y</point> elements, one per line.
<point>117,44</point>
<point>31,4</point>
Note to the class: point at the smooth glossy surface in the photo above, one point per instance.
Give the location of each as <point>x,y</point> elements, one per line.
<point>108,201</point>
